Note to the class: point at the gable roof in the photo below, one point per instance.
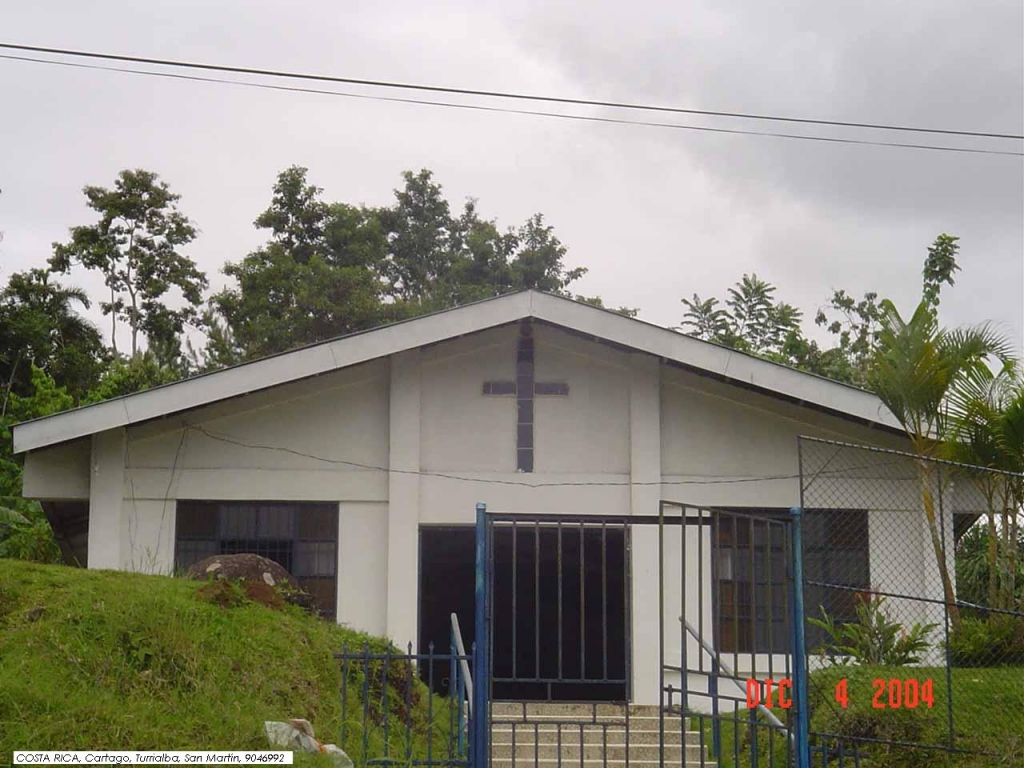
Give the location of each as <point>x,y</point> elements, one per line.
<point>693,354</point>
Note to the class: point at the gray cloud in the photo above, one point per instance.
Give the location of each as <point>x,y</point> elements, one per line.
<point>655,214</point>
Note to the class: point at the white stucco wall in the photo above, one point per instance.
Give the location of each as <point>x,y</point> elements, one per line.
<point>340,416</point>
<point>635,429</point>
<point>57,473</point>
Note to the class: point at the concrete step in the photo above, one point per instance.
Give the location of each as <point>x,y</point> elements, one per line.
<point>579,711</point>
<point>547,734</point>
<point>564,735</point>
<point>532,709</point>
<point>614,752</point>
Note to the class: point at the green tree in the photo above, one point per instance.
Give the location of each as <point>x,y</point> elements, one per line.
<point>435,261</point>
<point>915,368</point>
<point>986,429</point>
<point>940,267</point>
<point>24,530</point>
<point>855,326</point>
<point>978,576</point>
<point>421,241</point>
<point>127,376</point>
<point>330,269</point>
<point>40,327</point>
<point>136,245</point>
<point>751,320</point>
<point>313,280</point>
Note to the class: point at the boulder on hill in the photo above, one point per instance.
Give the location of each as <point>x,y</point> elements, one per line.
<point>265,580</point>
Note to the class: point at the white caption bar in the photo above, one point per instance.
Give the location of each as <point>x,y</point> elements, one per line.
<point>167,757</point>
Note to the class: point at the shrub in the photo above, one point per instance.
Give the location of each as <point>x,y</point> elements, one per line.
<point>992,642</point>
<point>26,535</point>
<point>874,638</point>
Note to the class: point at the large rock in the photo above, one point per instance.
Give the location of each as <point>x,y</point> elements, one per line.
<point>262,578</point>
<point>248,567</point>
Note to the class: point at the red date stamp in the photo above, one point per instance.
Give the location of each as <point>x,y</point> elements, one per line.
<point>892,693</point>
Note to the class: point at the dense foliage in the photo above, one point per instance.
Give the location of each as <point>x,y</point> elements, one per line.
<point>874,638</point>
<point>329,268</point>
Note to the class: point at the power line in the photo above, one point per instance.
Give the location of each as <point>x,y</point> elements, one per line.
<point>696,479</point>
<point>502,94</point>
<point>704,480</point>
<point>508,110</point>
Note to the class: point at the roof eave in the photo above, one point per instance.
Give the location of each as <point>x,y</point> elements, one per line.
<point>391,339</point>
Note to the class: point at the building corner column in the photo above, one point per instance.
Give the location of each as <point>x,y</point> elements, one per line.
<point>106,499</point>
<point>403,498</point>
<point>645,495</point>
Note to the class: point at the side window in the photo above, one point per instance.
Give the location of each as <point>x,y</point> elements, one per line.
<point>301,537</point>
<point>751,567</point>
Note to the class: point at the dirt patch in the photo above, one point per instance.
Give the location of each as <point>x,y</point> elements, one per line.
<point>260,579</point>
<point>235,592</point>
<point>222,593</point>
<point>262,593</point>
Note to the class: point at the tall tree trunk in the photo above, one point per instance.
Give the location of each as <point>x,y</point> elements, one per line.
<point>113,322</point>
<point>1011,562</point>
<point>1007,547</point>
<point>928,500</point>
<point>993,549</point>
<point>10,383</point>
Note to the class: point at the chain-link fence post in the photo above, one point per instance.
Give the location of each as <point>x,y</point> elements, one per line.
<point>945,612</point>
<point>481,670</point>
<point>802,746</point>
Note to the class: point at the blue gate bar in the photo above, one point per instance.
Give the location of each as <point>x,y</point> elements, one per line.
<point>481,662</point>
<point>803,757</point>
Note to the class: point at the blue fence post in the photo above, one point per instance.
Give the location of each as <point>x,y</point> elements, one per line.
<point>481,661</point>
<point>802,746</point>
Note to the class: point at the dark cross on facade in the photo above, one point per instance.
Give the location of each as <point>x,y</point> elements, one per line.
<point>525,388</point>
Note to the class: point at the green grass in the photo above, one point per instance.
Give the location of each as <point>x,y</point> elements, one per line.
<point>988,708</point>
<point>109,660</point>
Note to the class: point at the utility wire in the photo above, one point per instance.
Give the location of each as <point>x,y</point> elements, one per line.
<point>507,110</point>
<point>489,481</point>
<point>499,94</point>
<point>697,480</point>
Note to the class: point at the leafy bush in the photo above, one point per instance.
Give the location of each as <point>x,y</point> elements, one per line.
<point>992,642</point>
<point>873,639</point>
<point>26,535</point>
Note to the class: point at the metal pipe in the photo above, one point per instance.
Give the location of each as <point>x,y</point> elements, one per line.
<point>716,659</point>
<point>481,726</point>
<point>460,649</point>
<point>799,644</point>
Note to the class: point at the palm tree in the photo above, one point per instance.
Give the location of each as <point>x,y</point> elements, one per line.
<point>986,429</point>
<point>915,368</point>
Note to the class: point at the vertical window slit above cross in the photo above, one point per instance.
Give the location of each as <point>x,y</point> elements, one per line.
<point>525,387</point>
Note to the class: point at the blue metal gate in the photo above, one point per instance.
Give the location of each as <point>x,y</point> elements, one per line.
<point>732,665</point>
<point>738,588</point>
<point>732,646</point>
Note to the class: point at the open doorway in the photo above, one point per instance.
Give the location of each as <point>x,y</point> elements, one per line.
<point>560,617</point>
<point>447,586</point>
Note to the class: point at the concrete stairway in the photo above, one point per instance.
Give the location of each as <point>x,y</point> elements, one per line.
<point>589,736</point>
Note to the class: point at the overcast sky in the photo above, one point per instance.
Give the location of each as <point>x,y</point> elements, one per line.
<point>655,214</point>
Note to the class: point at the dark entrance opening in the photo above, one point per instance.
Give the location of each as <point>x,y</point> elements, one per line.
<point>560,619</point>
<point>447,586</point>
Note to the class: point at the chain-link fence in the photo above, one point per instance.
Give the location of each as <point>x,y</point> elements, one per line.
<point>914,594</point>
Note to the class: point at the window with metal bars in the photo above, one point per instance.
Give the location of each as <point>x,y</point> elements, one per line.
<point>751,576</point>
<point>302,537</point>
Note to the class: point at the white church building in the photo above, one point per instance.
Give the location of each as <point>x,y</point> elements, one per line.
<point>357,463</point>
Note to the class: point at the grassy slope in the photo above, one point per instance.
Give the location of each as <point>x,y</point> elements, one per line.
<point>988,715</point>
<point>123,661</point>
